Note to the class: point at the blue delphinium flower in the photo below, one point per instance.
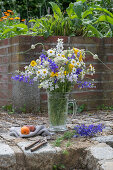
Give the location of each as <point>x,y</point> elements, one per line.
<point>20,78</point>
<point>78,71</point>
<point>91,130</point>
<point>85,84</point>
<point>53,66</point>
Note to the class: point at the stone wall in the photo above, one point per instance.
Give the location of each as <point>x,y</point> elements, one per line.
<point>12,58</point>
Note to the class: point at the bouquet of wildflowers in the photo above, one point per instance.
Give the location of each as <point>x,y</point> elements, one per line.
<point>57,70</point>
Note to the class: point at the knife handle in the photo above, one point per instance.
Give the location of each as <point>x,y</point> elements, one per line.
<point>32,144</point>
<point>38,146</point>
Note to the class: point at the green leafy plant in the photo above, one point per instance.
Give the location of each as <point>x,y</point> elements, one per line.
<point>23,109</point>
<point>81,108</point>
<point>66,136</point>
<point>90,21</point>
<point>103,107</point>
<point>58,24</point>
<point>58,141</point>
<point>58,167</point>
<point>8,108</point>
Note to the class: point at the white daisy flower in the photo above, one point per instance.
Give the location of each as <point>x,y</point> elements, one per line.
<point>73,61</point>
<point>74,70</point>
<point>78,64</point>
<point>58,55</point>
<point>44,72</point>
<point>50,52</point>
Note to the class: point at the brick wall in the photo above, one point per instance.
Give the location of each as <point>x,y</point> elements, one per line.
<point>11,59</point>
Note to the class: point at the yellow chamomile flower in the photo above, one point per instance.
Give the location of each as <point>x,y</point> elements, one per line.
<point>76,50</point>
<point>71,67</point>
<point>53,74</point>
<point>63,56</point>
<point>73,61</point>
<point>65,72</point>
<point>33,63</point>
<point>81,56</point>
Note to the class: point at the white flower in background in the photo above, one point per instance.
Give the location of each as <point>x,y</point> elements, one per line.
<point>59,47</point>
<point>75,77</point>
<point>26,67</point>
<point>29,73</point>
<point>44,72</point>
<point>35,78</point>
<point>56,86</point>
<point>58,55</point>
<point>32,47</point>
<point>45,84</point>
<point>70,78</point>
<point>74,70</point>
<point>38,61</point>
<point>50,84</point>
<point>73,61</point>
<point>50,53</point>
<point>51,88</point>
<point>95,56</point>
<point>78,64</point>
<point>38,73</point>
<point>60,60</point>
<point>46,64</point>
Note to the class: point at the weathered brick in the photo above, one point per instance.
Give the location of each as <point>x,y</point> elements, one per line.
<point>5,59</point>
<point>43,96</point>
<point>1,60</point>
<point>3,78</point>
<point>3,85</point>
<point>3,51</point>
<point>107,40</point>
<point>4,68</point>
<point>14,40</point>
<point>109,58</point>
<point>84,40</point>
<point>4,102</point>
<point>13,67</point>
<point>3,94</point>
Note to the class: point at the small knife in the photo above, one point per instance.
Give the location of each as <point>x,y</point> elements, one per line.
<point>32,144</point>
<point>38,146</point>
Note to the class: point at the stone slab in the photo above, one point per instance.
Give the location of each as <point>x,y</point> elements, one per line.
<point>106,165</point>
<point>41,159</point>
<point>105,139</point>
<point>7,157</point>
<point>102,151</point>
